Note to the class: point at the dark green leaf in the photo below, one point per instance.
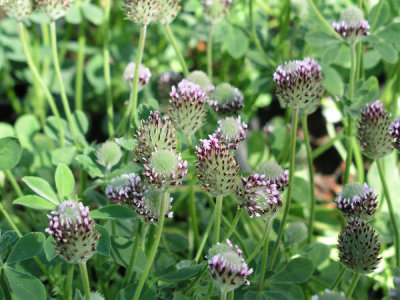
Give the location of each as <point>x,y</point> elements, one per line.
<point>10,152</point>
<point>321,39</point>
<point>25,286</point>
<point>86,163</point>
<point>7,238</point>
<point>182,274</point>
<point>112,212</point>
<point>236,43</point>
<point>387,51</point>
<point>148,293</point>
<point>297,270</point>
<point>27,246</point>
<point>104,243</point>
<point>316,252</point>
<point>49,249</point>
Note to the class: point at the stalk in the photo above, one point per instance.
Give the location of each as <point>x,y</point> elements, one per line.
<point>352,285</point>
<point>193,216</point>
<point>233,225</point>
<point>35,72</point>
<point>177,51</point>
<point>324,147</point>
<point>80,63</point>
<point>164,197</point>
<point>205,236</point>
<point>264,260</point>
<point>261,243</point>
<point>339,278</point>
<point>14,183</point>
<point>209,52</point>
<point>68,284</point>
<point>129,271</point>
<point>289,192</point>
<point>85,280</point>
<point>218,213</point>
<point>64,98</point>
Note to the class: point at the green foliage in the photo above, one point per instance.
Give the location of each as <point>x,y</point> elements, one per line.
<point>10,152</point>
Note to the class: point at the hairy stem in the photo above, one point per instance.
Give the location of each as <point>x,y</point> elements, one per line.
<point>85,280</point>
<point>218,213</point>
<point>177,51</point>
<point>261,242</point>
<point>205,237</point>
<point>338,278</point>
<point>353,285</point>
<point>209,53</point>
<point>129,271</point>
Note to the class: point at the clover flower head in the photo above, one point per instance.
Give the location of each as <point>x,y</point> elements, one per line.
<point>164,168</point>
<point>259,197</point>
<point>373,131</point>
<point>17,9</point>
<point>394,131</point>
<point>352,25</point>
<point>216,10</point>
<point>216,167</point>
<point>149,206</point>
<point>201,78</point>
<point>186,107</point>
<point>129,75</point>
<point>54,9</point>
<point>74,232</point>
<point>168,11</point>
<point>231,131</point>
<point>227,267</point>
<point>357,201</point>
<point>299,83</point>
<point>359,247</point>
<point>142,12</point>
<point>274,174</point>
<point>154,133</point>
<point>225,99</point>
<point>126,189</point>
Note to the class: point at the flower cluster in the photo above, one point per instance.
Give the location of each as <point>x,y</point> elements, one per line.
<point>129,75</point>
<point>373,131</point>
<point>352,25</point>
<point>274,174</point>
<point>394,131</point>
<point>299,83</point>
<point>226,99</point>
<point>231,131</point>
<point>54,9</point>
<point>74,232</point>
<point>357,201</point>
<point>186,107</point>
<point>227,267</point>
<point>259,197</point>
<point>216,167</point>
<point>17,9</point>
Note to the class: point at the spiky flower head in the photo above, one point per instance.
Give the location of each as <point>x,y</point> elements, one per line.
<point>359,247</point>
<point>352,25</point>
<point>17,9</point>
<point>186,107</point>
<point>216,167</point>
<point>394,130</point>
<point>299,83</point>
<point>330,295</point>
<point>274,174</point>
<point>260,198</point>
<point>231,131</point>
<point>216,10</point>
<point>357,201</point>
<point>129,75</point>
<point>168,11</point>
<point>74,232</point>
<point>54,9</point>
<point>225,99</point>
<point>109,154</point>
<point>165,168</point>
<point>155,133</point>
<point>142,12</point>
<point>373,131</point>
<point>201,78</point>
<point>227,267</point>
<point>148,207</point>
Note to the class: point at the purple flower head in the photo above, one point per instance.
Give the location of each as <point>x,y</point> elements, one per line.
<point>216,167</point>
<point>227,266</point>
<point>274,174</point>
<point>201,78</point>
<point>231,131</point>
<point>225,99</point>
<point>352,25</point>
<point>394,130</point>
<point>299,83</point>
<point>74,232</point>
<point>129,75</point>
<point>186,107</point>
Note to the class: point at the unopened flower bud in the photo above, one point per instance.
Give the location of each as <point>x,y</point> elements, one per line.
<point>352,25</point>
<point>226,99</point>
<point>129,75</point>
<point>109,154</point>
<point>201,78</point>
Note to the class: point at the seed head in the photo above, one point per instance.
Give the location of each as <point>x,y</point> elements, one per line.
<point>373,131</point>
<point>357,201</point>
<point>216,167</point>
<point>274,174</point>
<point>168,11</point>
<point>54,9</point>
<point>231,131</point>
<point>352,25</point>
<point>227,267</point>
<point>260,198</point>
<point>142,12</point>
<point>359,247</point>
<point>109,154</point>
<point>129,75</point>
<point>226,99</point>
<point>394,130</point>
<point>17,9</point>
<point>186,107</point>
<point>201,78</point>
<point>154,133</point>
<point>74,232</point>
<point>299,83</point>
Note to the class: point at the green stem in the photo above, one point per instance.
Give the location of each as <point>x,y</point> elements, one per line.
<point>359,162</point>
<point>14,183</point>
<point>80,65</point>
<point>377,13</point>
<point>68,284</point>
<point>323,20</point>
<point>193,216</point>
<point>352,285</point>
<point>209,52</point>
<point>85,280</point>
<point>218,213</point>
<point>9,220</point>
<point>233,225</point>
<point>107,71</point>
<point>310,175</point>
<point>150,238</point>
<point>223,295</point>
<point>339,278</point>
<point>391,211</point>
<point>263,263</point>
<point>35,72</point>
<point>177,51</point>
<point>153,252</point>
<point>205,236</point>
<point>129,271</point>
<point>289,190</point>
<point>210,290</point>
<point>56,63</point>
<point>261,243</point>
<point>324,147</point>
<point>189,141</point>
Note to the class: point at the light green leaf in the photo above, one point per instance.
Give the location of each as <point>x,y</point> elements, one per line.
<point>104,244</point>
<point>41,187</point>
<point>387,51</point>
<point>27,246</point>
<point>34,202</point>
<point>63,155</point>
<point>25,286</point>
<point>236,43</point>
<point>6,130</point>
<point>49,249</point>
<point>10,152</point>
<point>112,212</point>
<point>93,13</point>
<point>86,163</point>
<point>65,181</point>
<point>7,238</point>
<point>332,81</point>
<point>26,127</point>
